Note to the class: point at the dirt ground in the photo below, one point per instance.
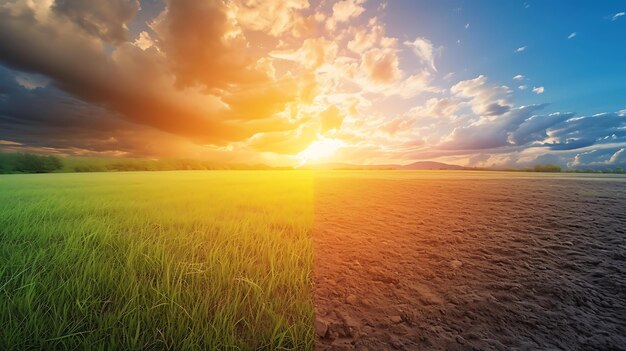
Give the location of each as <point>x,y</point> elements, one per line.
<point>469,261</point>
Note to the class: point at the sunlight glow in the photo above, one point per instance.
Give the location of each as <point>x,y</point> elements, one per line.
<point>320,150</point>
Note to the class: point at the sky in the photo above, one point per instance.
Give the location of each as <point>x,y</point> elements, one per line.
<point>292,82</point>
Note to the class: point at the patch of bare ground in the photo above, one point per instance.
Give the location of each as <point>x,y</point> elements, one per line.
<point>483,263</point>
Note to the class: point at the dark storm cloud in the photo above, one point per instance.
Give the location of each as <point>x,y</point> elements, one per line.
<point>105,19</point>
<point>67,45</point>
<point>48,119</point>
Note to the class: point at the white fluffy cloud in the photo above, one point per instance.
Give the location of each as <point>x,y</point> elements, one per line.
<point>272,17</point>
<point>485,99</point>
<point>343,11</point>
<point>423,49</point>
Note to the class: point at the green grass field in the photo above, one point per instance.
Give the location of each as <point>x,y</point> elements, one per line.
<point>156,260</point>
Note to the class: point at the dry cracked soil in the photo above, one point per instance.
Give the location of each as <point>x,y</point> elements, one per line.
<point>469,262</point>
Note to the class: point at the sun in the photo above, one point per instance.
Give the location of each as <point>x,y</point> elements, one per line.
<point>320,150</point>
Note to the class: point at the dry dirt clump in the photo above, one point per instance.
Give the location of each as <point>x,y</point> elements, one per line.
<point>469,263</point>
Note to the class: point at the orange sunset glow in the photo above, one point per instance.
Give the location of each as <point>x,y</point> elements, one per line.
<point>272,81</point>
<point>262,81</point>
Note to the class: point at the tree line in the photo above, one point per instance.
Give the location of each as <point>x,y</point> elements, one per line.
<point>29,163</point>
<point>556,169</point>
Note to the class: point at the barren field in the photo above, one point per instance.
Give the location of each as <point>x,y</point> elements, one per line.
<point>469,260</point>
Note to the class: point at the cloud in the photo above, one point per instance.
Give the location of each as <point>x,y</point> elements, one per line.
<point>259,80</point>
<point>604,127</point>
<point>553,138</point>
<point>273,17</point>
<point>534,138</point>
<point>535,128</point>
<point>435,110</point>
<point>423,49</point>
<point>105,19</point>
<point>286,142</point>
<point>369,36</point>
<point>522,87</point>
<point>467,26</point>
<point>617,15</point>
<point>396,125</point>
<point>485,99</point>
<point>618,158</point>
<point>202,45</point>
<point>600,158</point>
<point>343,11</point>
<point>199,71</point>
<point>49,119</point>
<point>331,118</point>
<point>31,81</point>
<point>490,134</point>
<point>478,159</point>
<point>572,35</point>
<point>313,53</point>
<point>538,90</point>
<point>210,77</point>
<point>520,49</point>
<point>381,65</point>
<point>144,41</point>
<point>412,85</point>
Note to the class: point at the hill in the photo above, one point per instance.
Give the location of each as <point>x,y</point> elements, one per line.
<point>431,165</point>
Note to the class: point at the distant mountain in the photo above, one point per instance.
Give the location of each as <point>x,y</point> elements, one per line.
<point>415,166</point>
<point>431,165</point>
<point>347,166</point>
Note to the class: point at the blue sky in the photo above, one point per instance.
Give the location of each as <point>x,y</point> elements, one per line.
<point>585,74</point>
